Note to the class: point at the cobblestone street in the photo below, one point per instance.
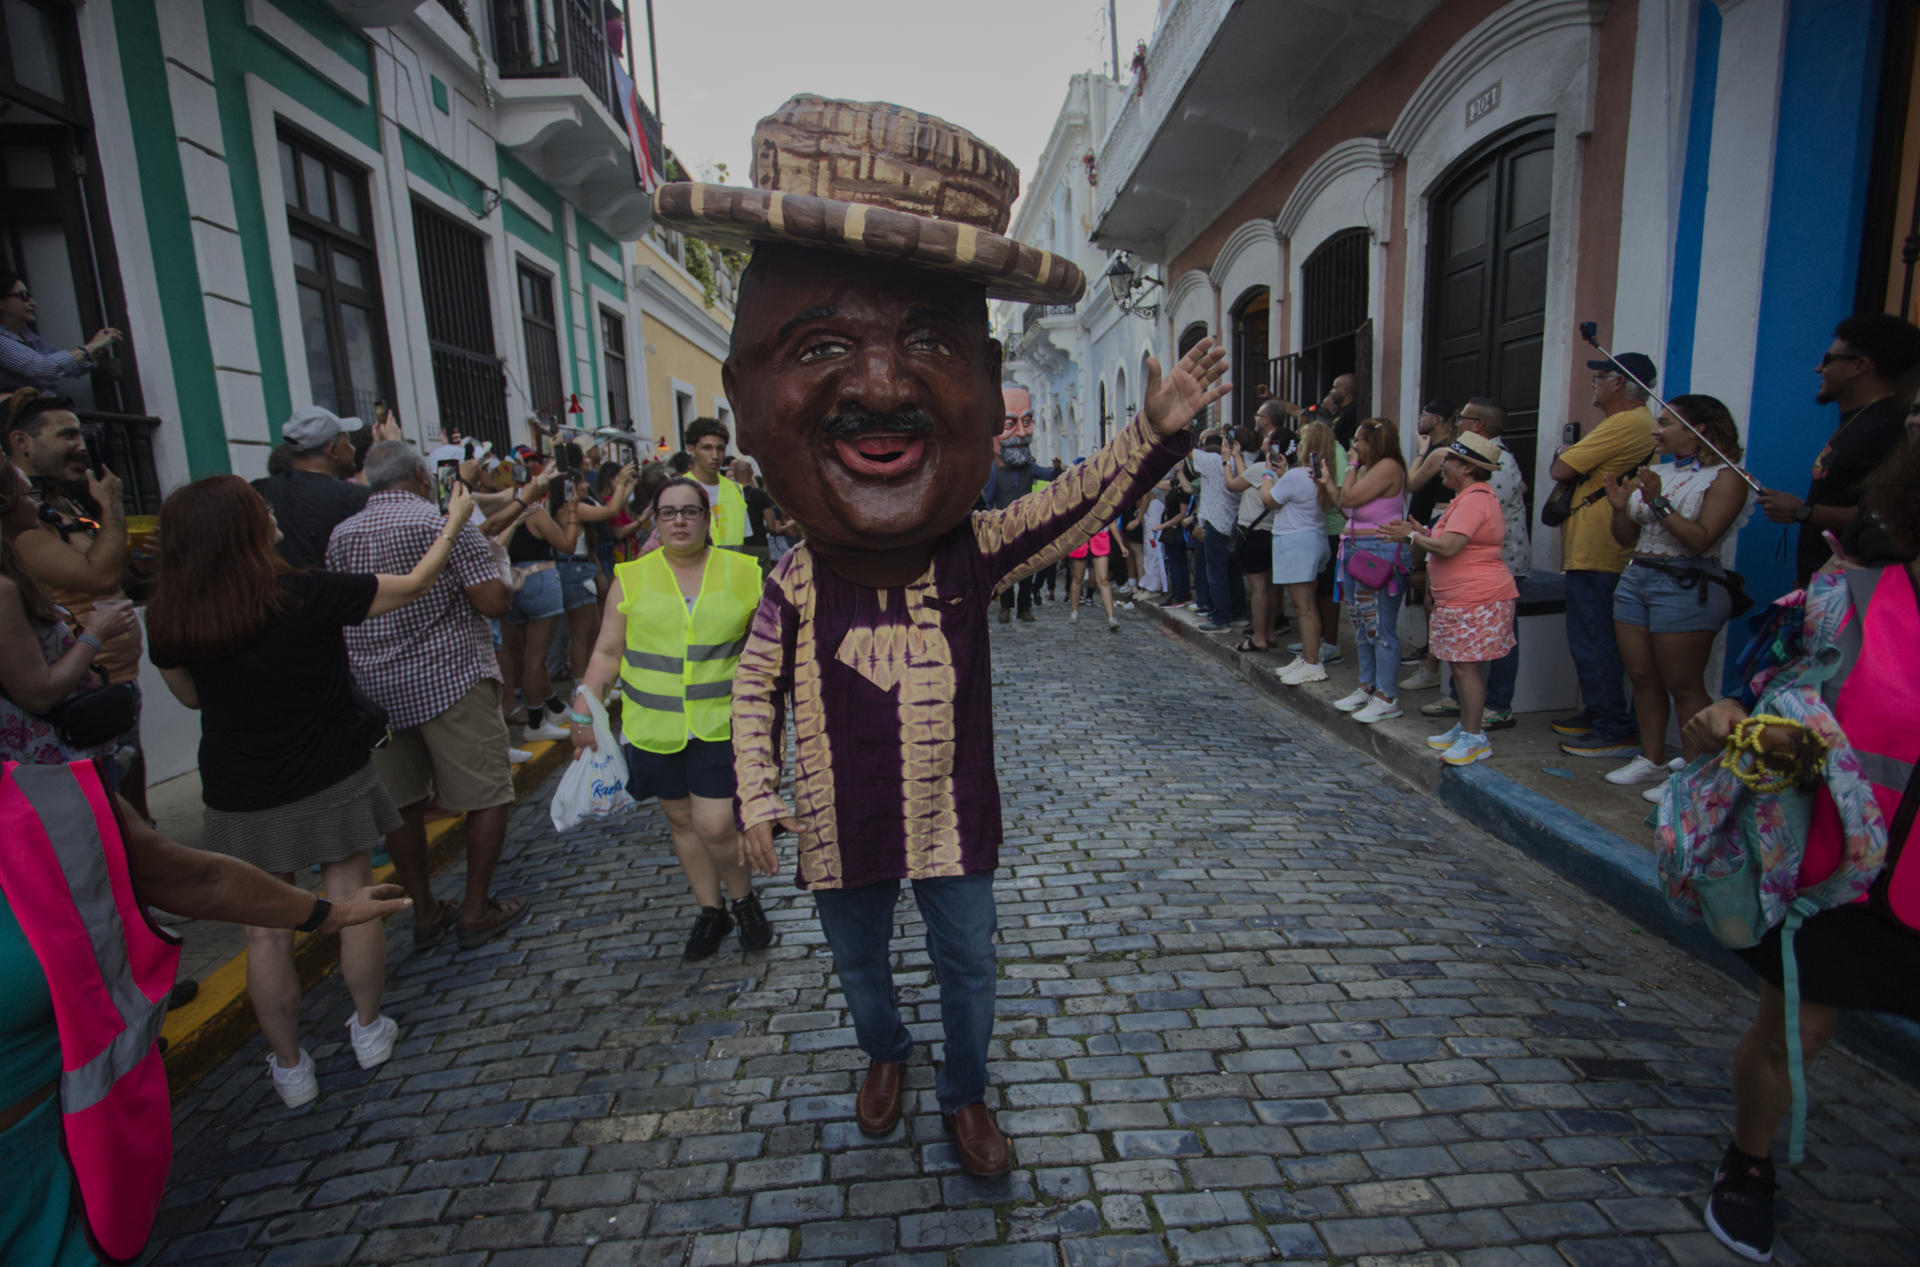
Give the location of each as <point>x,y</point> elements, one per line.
<point>1258,1002</point>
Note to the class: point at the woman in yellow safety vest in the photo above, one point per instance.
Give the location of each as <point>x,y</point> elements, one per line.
<point>675,623</point>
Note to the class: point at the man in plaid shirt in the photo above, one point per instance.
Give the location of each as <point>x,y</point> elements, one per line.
<point>431,666</point>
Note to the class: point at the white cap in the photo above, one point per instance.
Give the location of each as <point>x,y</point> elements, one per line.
<point>312,428</point>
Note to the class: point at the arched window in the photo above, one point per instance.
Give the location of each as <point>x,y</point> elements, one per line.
<point>1336,336</point>
<point>1248,355</point>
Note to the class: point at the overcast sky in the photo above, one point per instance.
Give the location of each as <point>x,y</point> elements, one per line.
<point>998,68</point>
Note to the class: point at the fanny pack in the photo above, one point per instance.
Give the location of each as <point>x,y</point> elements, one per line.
<point>1691,576</point>
<point>1242,531</point>
<point>86,719</point>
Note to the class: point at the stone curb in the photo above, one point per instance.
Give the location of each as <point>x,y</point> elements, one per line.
<point>1616,871</point>
<point>220,1020</point>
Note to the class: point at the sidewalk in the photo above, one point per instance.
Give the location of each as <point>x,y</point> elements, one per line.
<point>1558,809</point>
<point>220,1018</point>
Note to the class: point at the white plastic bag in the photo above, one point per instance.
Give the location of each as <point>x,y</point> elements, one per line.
<point>595,785</point>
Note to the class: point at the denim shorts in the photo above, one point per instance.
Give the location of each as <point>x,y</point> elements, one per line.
<point>576,582</point>
<point>1664,604</point>
<point>703,768</point>
<point>538,598</point>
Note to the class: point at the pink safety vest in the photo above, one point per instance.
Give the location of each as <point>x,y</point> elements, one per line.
<point>1875,700</point>
<point>64,870</point>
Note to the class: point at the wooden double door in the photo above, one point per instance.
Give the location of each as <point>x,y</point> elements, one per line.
<point>1487,282</point>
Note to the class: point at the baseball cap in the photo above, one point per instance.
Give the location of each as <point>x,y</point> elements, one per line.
<point>1439,406</point>
<point>313,428</point>
<point>1637,364</point>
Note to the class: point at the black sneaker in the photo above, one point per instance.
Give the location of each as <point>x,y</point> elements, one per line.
<point>708,932</point>
<point>755,932</point>
<point>1740,1210</point>
<point>1495,719</point>
<point>1579,725</point>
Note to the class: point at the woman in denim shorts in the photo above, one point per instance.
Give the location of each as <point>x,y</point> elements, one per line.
<point>1673,599</point>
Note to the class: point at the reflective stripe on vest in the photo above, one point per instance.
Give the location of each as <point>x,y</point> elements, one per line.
<point>677,671</point>
<point>67,878</point>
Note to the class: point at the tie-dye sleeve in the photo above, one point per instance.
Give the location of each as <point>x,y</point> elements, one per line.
<point>1044,526</point>
<point>761,685</point>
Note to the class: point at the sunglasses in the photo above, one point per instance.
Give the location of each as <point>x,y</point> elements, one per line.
<point>23,294</point>
<point>679,512</point>
<point>1829,358</point>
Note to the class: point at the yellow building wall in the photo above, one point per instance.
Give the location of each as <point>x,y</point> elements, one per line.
<point>670,356</point>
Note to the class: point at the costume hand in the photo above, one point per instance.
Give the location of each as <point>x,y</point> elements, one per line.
<point>374,902</point>
<point>1779,506</point>
<point>1707,730</point>
<point>1649,483</point>
<point>1197,380</point>
<point>756,847</point>
<point>106,491</point>
<point>1617,492</point>
<point>459,507</point>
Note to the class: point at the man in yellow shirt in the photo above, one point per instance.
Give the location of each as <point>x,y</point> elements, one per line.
<point>1593,560</point>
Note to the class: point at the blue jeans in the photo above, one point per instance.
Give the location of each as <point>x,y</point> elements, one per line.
<point>1596,656</point>
<point>959,915</point>
<point>1217,557</point>
<point>1179,589</point>
<point>1376,614</point>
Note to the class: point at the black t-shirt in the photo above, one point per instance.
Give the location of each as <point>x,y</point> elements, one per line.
<point>1347,425</point>
<point>1865,438</point>
<point>308,506</point>
<point>757,505</point>
<point>277,719</point>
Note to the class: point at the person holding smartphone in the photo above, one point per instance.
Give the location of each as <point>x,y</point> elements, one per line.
<point>1300,501</point>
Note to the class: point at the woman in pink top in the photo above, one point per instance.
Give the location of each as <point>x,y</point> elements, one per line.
<point>1473,592</point>
<point>1374,494</point>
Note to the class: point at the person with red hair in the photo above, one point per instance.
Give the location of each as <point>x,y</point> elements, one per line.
<point>256,646</point>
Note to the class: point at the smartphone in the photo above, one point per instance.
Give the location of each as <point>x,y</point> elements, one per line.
<point>449,471</point>
<point>1570,434</point>
<point>469,450</point>
<point>560,461</point>
<point>519,472</point>
<point>1313,466</point>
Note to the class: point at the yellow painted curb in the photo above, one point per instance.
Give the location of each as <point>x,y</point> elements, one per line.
<point>220,1019</point>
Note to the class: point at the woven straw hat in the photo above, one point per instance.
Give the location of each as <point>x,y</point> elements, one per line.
<point>880,180</point>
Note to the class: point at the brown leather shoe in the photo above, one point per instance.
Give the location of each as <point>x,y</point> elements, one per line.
<point>877,1110</point>
<point>982,1148</point>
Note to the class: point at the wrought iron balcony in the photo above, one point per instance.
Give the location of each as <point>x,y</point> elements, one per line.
<point>555,39</point>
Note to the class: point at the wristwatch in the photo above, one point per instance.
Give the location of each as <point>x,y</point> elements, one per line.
<point>1803,513</point>
<point>321,909</point>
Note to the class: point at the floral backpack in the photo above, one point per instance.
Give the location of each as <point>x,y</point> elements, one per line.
<point>1729,852</point>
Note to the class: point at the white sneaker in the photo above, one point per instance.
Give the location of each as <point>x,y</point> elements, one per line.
<point>1304,674</point>
<point>1653,794</point>
<point>372,1045</point>
<point>1113,624</point>
<point>545,730</point>
<point>1677,765</point>
<point>298,1085</point>
<point>1378,709</point>
<point>1291,667</point>
<point>1353,703</point>
<point>1444,741</point>
<point>1421,679</point>
<point>1074,615</point>
<point>1638,770</point>
<point>1467,749</point>
<point>518,756</point>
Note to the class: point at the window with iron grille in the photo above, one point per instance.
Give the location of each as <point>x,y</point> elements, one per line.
<point>542,335</point>
<point>1333,307</point>
<point>613,356</point>
<point>469,380</point>
<point>336,276</point>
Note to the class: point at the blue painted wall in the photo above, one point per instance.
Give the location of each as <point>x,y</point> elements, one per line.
<point>1676,376</point>
<point>1829,85</point>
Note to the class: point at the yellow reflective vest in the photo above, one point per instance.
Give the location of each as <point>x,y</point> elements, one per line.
<point>677,674</point>
<point>729,518</point>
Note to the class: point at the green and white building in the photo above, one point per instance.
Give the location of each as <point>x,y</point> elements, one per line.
<point>285,202</point>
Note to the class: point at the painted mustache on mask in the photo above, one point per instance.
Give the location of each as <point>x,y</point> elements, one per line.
<point>853,419</point>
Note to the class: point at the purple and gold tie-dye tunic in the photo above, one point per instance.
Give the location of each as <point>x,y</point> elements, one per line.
<point>890,688</point>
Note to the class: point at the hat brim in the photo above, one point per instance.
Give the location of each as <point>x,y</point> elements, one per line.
<point>738,217</point>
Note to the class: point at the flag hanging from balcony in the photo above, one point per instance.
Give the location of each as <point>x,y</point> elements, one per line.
<point>649,155</point>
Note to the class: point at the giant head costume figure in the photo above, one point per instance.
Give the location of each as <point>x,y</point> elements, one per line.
<point>862,377</point>
<point>1015,443</point>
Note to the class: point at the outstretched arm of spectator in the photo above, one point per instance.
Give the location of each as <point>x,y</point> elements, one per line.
<point>603,669</point>
<point>397,591</point>
<point>207,885</point>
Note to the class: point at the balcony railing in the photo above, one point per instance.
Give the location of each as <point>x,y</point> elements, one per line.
<point>555,39</point>
<point>124,443</point>
<point>472,388</point>
<point>1036,313</point>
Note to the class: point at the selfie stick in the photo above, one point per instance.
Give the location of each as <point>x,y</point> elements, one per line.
<point>1590,330</point>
